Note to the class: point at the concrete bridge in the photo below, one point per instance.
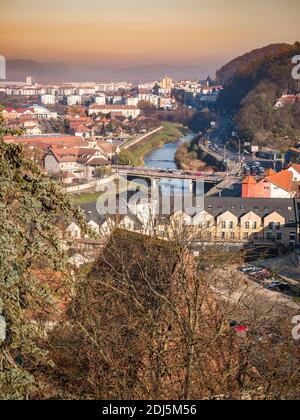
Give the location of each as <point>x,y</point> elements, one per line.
<point>155,175</point>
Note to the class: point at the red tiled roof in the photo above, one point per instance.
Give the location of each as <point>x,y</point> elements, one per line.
<point>295,166</point>
<point>82,128</point>
<point>270,172</point>
<point>73,155</point>
<point>283,179</point>
<point>98,161</point>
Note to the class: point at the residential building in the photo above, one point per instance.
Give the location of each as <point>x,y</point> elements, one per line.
<point>167,103</point>
<point>86,90</point>
<point>236,221</point>
<point>48,99</point>
<point>73,100</point>
<point>100,99</point>
<point>294,168</point>
<point>30,81</point>
<point>33,110</point>
<point>32,128</point>
<point>81,162</point>
<point>166,84</point>
<point>124,110</point>
<point>132,101</point>
<point>273,185</point>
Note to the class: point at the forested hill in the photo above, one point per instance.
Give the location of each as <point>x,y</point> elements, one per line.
<point>276,68</point>
<point>230,69</point>
<point>251,93</point>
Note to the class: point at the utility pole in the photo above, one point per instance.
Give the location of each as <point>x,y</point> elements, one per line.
<point>225,160</point>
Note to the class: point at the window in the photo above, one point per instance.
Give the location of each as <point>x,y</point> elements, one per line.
<point>271,225</point>
<point>278,225</point>
<point>223,225</point>
<point>254,225</point>
<point>230,225</point>
<point>232,235</point>
<point>246,235</point>
<point>269,236</point>
<point>222,235</point>
<point>247,225</point>
<point>279,236</point>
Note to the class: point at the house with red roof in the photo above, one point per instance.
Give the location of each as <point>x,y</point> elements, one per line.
<point>81,162</point>
<point>273,185</point>
<point>294,168</point>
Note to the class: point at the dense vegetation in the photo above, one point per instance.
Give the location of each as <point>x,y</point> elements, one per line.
<point>32,214</point>
<point>197,121</point>
<point>230,69</point>
<point>252,92</point>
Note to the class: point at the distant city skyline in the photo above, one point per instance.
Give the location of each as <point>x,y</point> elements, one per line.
<point>132,32</point>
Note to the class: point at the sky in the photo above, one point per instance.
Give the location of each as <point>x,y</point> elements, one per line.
<point>143,32</point>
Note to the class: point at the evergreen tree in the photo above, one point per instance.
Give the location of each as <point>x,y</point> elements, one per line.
<point>33,212</point>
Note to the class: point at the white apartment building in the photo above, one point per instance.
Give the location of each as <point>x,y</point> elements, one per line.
<point>125,110</point>
<point>100,99</point>
<point>132,101</point>
<point>149,97</point>
<point>73,100</point>
<point>30,81</point>
<point>48,99</point>
<point>88,90</point>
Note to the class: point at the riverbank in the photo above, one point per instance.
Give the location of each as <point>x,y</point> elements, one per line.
<point>187,157</point>
<point>136,154</point>
<point>190,157</point>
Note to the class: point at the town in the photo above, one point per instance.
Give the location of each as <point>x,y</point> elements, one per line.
<point>77,141</point>
<point>149,203</point>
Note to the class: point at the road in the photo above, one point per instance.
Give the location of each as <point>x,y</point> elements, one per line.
<point>219,138</point>
<point>173,174</point>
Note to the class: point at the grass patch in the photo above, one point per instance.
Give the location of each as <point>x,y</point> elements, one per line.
<point>85,198</point>
<point>92,197</point>
<point>169,134</point>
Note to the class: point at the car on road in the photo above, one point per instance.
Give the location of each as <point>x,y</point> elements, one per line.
<point>248,269</point>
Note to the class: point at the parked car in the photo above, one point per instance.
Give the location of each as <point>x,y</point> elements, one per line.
<point>278,286</point>
<point>248,269</point>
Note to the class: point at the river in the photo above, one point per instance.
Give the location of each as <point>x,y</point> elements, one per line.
<point>164,158</point>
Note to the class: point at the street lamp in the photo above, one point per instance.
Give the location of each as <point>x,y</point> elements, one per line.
<point>234,134</point>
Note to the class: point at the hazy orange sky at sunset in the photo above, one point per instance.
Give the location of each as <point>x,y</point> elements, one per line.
<point>127,32</point>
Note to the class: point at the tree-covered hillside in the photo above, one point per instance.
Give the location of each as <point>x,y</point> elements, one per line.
<point>251,94</point>
<point>226,72</point>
